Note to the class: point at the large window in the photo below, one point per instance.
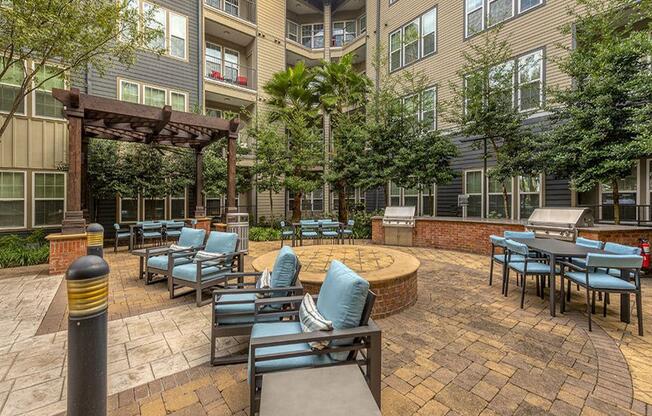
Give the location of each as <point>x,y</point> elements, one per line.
<point>178,101</point>
<point>231,65</point>
<point>421,198</point>
<point>49,198</point>
<point>530,81</point>
<point>10,88</point>
<point>154,209</point>
<point>311,201</point>
<point>12,200</point>
<point>45,105</point>
<point>496,200</point>
<point>343,32</point>
<point>415,40</point>
<point>154,96</point>
<point>232,7</point>
<point>312,35</point>
<point>422,107</point>
<point>362,24</point>
<point>294,31</point>
<point>474,16</point>
<point>158,22</point>
<point>529,190</point>
<point>128,210</point>
<point>178,206</point>
<point>129,91</point>
<point>499,10</point>
<point>178,35</point>
<point>473,188</point>
<point>481,14</point>
<point>134,92</point>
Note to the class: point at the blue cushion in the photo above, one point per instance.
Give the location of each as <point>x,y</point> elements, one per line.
<point>191,237</point>
<point>516,258</point>
<point>173,233</point>
<point>601,281</point>
<point>342,296</point>
<point>287,233</point>
<point>618,261</point>
<point>123,235</point>
<point>517,247</point>
<point>578,261</point>
<point>161,262</point>
<point>518,234</point>
<point>152,234</point>
<point>189,272</point>
<point>284,267</point>
<point>347,231</point>
<point>497,241</point>
<point>219,242</point>
<point>585,242</point>
<point>260,330</point>
<point>330,233</point>
<point>309,234</point>
<point>533,267</point>
<point>247,307</point>
<point>621,249</point>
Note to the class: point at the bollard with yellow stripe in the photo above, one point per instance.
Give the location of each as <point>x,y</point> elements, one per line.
<point>95,240</point>
<point>87,281</point>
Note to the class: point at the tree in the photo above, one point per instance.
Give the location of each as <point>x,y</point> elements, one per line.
<point>292,102</point>
<point>271,164</point>
<point>62,37</point>
<point>601,120</point>
<point>482,107</point>
<point>342,91</point>
<point>215,169</point>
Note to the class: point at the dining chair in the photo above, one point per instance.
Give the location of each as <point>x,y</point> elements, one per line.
<point>528,267</point>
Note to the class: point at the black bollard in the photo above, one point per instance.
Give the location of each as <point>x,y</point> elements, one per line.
<point>88,289</point>
<point>95,240</point>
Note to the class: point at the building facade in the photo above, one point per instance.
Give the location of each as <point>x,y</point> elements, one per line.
<point>219,54</point>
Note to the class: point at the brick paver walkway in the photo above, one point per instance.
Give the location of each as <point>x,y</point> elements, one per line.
<point>461,349</point>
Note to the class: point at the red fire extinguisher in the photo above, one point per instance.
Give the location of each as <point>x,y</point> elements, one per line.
<point>644,245</point>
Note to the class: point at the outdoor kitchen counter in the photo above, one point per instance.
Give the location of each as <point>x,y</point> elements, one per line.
<point>472,234</point>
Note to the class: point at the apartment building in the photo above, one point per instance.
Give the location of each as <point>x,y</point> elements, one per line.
<point>219,54</point>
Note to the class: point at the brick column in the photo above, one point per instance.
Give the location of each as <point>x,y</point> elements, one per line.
<point>64,249</point>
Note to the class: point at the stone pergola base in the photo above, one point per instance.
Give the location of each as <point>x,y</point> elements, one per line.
<point>64,249</point>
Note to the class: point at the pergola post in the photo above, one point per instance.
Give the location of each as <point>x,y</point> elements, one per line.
<point>231,154</point>
<point>200,210</point>
<point>73,221</point>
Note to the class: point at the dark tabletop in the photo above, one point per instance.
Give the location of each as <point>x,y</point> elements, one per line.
<point>558,248</point>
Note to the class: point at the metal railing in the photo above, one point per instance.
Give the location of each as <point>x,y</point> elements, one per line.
<point>231,73</point>
<point>629,214</point>
<point>243,9</point>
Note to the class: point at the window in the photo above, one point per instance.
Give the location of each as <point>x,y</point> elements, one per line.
<point>411,107</point>
<point>129,91</point>
<point>128,210</point>
<point>10,88</point>
<point>154,96</point>
<point>627,189</point>
<point>154,209</point>
<point>214,112</point>
<point>422,107</point>
<point>158,22</point>
<point>474,16</point>
<point>530,85</point>
<point>354,196</point>
<point>362,24</point>
<point>312,35</point>
<point>411,42</point>
<point>473,186</point>
<point>213,61</point>
<point>231,66</point>
<point>232,7</point>
<point>12,200</point>
<point>499,10</point>
<point>428,35</point>
<point>524,5</point>
<point>178,205</point>
<point>427,201</point>
<point>178,33</point>
<point>395,50</point>
<point>501,82</point>
<point>394,195</point>
<point>529,190</point>
<point>410,197</point>
<point>213,205</point>
<point>496,200</point>
<point>178,101</point>
<point>45,105</point>
<point>343,32</point>
<point>49,198</point>
<point>293,31</point>
<point>311,201</point>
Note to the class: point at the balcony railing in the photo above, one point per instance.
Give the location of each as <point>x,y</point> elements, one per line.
<point>243,9</point>
<point>231,73</point>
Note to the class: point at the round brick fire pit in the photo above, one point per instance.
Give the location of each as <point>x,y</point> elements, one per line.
<point>392,274</point>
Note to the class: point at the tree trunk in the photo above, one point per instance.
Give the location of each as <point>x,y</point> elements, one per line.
<point>616,197</point>
<point>342,205</point>
<point>271,208</point>
<point>506,202</point>
<point>296,213</point>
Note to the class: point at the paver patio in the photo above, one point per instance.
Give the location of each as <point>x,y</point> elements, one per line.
<point>461,349</point>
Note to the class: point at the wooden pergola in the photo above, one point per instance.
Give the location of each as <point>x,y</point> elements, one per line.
<point>106,118</point>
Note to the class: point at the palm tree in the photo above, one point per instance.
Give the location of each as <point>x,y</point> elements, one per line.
<point>342,90</point>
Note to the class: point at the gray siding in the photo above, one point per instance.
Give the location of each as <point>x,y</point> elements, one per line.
<point>161,71</point>
<point>557,192</point>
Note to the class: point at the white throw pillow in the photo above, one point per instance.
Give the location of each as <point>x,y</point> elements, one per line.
<point>311,321</point>
<point>265,282</point>
<point>175,247</point>
<point>201,255</point>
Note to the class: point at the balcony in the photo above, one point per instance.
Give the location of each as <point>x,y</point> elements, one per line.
<point>230,83</point>
<point>241,9</point>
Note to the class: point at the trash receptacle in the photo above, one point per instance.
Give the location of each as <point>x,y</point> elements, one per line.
<point>238,222</point>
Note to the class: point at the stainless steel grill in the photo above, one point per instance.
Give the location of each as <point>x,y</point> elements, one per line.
<point>398,224</point>
<point>559,223</point>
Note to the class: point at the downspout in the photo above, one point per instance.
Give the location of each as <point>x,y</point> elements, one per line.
<point>377,44</point>
<point>200,58</point>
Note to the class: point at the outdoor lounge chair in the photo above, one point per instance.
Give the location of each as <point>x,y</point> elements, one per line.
<point>204,273</point>
<point>345,300</point>
<point>234,309</point>
<point>159,259</point>
<point>309,230</point>
<point>500,257</point>
<point>120,234</point>
<point>287,233</point>
<point>330,230</point>
<point>173,230</point>
<point>601,281</point>
<point>528,267</point>
<point>151,231</point>
<point>347,232</point>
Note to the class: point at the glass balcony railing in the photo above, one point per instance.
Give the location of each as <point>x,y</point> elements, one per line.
<point>231,73</point>
<point>243,9</point>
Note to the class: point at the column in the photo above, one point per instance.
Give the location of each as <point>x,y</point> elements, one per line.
<point>231,173</point>
<point>200,210</point>
<point>328,39</point>
<point>73,221</point>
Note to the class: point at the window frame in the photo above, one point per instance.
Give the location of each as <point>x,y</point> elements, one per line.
<point>298,33</point>
<point>120,219</point>
<point>488,24</point>
<point>166,29</point>
<point>362,28</point>
<point>520,193</point>
<point>24,113</point>
<point>541,79</point>
<point>33,199</point>
<point>417,41</point>
<point>185,99</point>
<point>398,32</point>
<point>467,12</point>
<point>170,15</point>
<point>138,84</point>
<point>185,204</point>
<point>419,104</point>
<point>24,199</point>
<point>482,186</point>
<point>510,192</point>
<point>423,35</point>
<point>33,94</point>
<point>520,10</point>
<point>224,62</point>
<point>154,87</point>
<point>144,207</point>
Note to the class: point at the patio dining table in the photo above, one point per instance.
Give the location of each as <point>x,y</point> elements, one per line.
<point>557,250</point>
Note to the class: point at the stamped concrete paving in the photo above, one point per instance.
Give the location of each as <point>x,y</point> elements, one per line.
<point>462,349</point>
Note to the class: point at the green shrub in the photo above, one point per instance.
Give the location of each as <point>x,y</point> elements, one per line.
<point>17,251</point>
<point>264,234</point>
<point>362,226</point>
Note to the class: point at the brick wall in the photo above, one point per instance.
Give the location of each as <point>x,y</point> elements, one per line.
<point>205,224</point>
<point>627,237</point>
<point>377,231</point>
<point>65,250</point>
